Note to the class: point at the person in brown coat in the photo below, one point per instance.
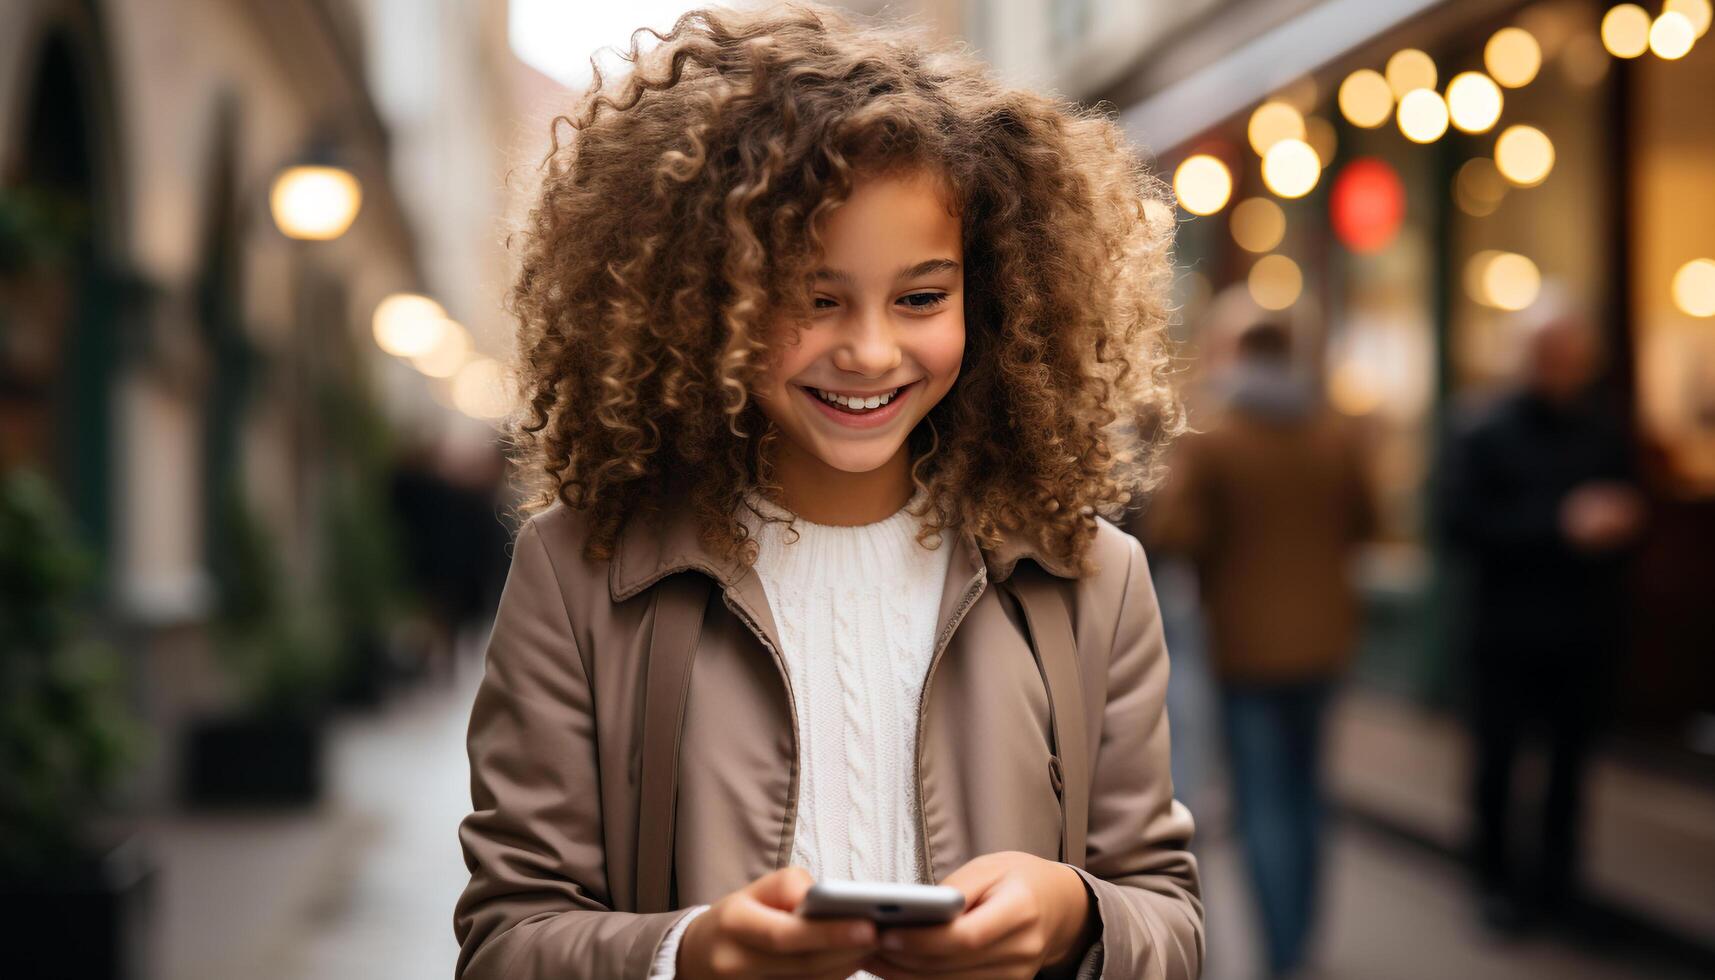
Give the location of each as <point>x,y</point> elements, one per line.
<point>1270,502</point>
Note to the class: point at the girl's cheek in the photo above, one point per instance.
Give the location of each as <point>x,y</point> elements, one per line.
<point>941,355</point>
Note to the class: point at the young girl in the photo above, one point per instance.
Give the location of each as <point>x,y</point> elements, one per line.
<point>820,320</point>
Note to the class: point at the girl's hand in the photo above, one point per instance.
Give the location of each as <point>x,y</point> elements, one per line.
<point>1022,914</point>
<point>754,932</point>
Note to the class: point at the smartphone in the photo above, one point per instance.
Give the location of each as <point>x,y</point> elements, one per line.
<point>884,903</point>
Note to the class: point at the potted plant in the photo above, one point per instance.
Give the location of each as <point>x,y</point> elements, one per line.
<point>279,646</point>
<point>363,572</point>
<point>66,738</point>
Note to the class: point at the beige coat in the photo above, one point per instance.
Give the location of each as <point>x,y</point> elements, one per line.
<point>554,744</point>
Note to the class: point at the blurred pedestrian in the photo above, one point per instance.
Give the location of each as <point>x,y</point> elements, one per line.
<point>446,497</point>
<point>1537,495</point>
<point>1270,500</point>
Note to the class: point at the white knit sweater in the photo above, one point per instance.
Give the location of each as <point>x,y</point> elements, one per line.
<point>856,611</point>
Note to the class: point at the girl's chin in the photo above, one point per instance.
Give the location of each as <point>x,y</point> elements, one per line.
<point>854,460</point>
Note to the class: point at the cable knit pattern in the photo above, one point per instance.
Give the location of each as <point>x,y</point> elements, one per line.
<point>856,610</point>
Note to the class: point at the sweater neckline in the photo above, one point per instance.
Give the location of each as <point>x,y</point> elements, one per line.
<point>903,516</point>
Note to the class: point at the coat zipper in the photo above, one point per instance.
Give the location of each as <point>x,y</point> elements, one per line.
<point>973,591</point>
<point>785,855</point>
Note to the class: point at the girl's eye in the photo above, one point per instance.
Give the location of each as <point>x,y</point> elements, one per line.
<point>924,301</point>
<point>823,299</point>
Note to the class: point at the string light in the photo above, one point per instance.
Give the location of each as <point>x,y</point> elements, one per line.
<point>1275,282</point>
<point>1473,102</point>
<point>1365,99</point>
<point>1479,187</point>
<point>1258,224</point>
<point>1524,154</point>
<point>1291,168</point>
<point>1698,12</point>
<point>449,353</point>
<point>1694,288</point>
<point>1423,115</point>
<point>1512,57</point>
<point>1203,184</point>
<point>408,325</point>
<point>1671,36</point>
<point>1625,30</point>
<point>1410,69</point>
<point>1503,280</point>
<point>315,203</point>
<point>1273,122</point>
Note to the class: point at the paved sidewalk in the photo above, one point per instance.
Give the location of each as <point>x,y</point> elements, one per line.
<point>1396,911</point>
<point>359,888</point>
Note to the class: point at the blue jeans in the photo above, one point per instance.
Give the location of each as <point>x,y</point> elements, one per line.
<point>1274,735</point>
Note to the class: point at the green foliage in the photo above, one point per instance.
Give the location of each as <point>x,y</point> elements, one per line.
<point>66,735</point>
<point>39,228</point>
<point>363,573</point>
<point>280,645</point>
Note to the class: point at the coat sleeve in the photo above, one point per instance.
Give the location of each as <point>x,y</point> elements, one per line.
<point>537,905</point>
<point>1138,864</point>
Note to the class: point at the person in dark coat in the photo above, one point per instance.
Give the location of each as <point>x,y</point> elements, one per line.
<point>1537,496</point>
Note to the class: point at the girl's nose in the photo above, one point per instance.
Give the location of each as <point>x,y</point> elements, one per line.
<point>869,347</point>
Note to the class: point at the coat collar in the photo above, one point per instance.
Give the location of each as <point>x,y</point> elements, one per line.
<point>649,550</point>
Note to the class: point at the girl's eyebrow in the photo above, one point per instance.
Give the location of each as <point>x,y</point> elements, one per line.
<point>923,268</point>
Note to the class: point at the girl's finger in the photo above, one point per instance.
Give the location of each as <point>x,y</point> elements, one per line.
<point>1004,911</point>
<point>782,889</point>
<point>771,930</point>
<point>834,964</point>
<point>1010,969</point>
<point>1011,950</point>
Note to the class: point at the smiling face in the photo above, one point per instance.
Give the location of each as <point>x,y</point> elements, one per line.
<point>885,340</point>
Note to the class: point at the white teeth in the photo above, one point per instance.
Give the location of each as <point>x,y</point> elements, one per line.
<point>857,404</point>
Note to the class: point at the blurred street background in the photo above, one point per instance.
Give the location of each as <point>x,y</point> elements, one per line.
<point>1445,297</point>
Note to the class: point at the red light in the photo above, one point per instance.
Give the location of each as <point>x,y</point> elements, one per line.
<point>1367,205</point>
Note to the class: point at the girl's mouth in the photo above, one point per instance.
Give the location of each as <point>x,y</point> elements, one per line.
<point>859,409</point>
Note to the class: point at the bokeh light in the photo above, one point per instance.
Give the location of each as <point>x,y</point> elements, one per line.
<point>1479,187</point>
<point>1275,282</point>
<point>1625,30</point>
<point>1258,224</point>
<point>1423,115</point>
<point>315,203</point>
<point>1694,288</point>
<point>1524,155</point>
<point>1302,94</point>
<point>451,349</point>
<point>480,389</point>
<point>1473,102</point>
<point>1203,184</point>
<point>1273,122</point>
<point>1291,168</point>
<point>1319,133</point>
<point>408,325</point>
<point>1365,99</point>
<point>1512,57</point>
<point>1352,389</point>
<point>1367,205</point>
<point>1584,62</point>
<point>1503,280</point>
<point>1698,12</point>
<point>1410,69</point>
<point>1671,36</point>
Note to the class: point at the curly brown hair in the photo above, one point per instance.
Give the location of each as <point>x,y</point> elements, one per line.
<point>675,238</point>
